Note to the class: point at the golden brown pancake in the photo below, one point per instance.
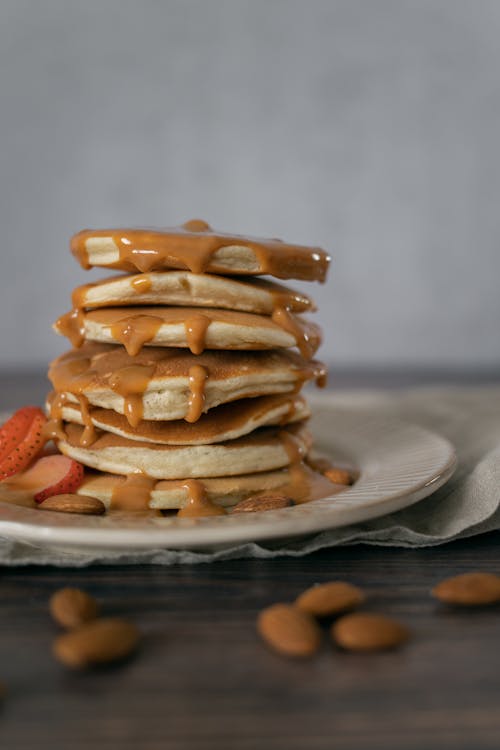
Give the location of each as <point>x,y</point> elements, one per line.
<point>160,383</point>
<point>186,289</point>
<point>267,448</point>
<point>195,328</point>
<point>226,422</point>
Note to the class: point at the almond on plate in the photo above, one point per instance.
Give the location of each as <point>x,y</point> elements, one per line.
<point>289,630</point>
<point>469,589</point>
<point>262,502</point>
<point>72,607</point>
<point>72,503</point>
<point>363,631</point>
<point>330,598</point>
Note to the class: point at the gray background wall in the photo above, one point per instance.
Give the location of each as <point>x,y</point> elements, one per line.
<point>369,127</point>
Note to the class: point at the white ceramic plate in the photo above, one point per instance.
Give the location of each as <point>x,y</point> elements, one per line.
<point>399,464</point>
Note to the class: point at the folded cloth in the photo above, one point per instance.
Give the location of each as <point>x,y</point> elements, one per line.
<point>467,505</point>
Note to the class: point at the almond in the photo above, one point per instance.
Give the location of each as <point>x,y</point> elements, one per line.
<point>84,504</point>
<point>262,502</point>
<point>363,631</point>
<point>72,607</point>
<point>288,630</point>
<point>469,589</point>
<point>328,599</point>
<point>99,642</point>
<point>338,476</point>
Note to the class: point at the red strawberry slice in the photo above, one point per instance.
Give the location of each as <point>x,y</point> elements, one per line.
<point>52,475</point>
<point>21,440</point>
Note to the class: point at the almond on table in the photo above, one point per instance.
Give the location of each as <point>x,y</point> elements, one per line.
<point>72,607</point>
<point>364,631</point>
<point>288,630</point>
<point>473,589</point>
<point>102,641</point>
<point>330,598</point>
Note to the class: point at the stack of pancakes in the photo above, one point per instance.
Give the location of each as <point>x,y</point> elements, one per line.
<point>182,386</point>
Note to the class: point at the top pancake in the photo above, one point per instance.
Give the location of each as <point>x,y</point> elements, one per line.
<point>186,289</point>
<point>196,247</point>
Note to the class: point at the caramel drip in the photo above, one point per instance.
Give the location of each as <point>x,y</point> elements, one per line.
<point>193,246</point>
<point>322,379</point>
<point>291,300</point>
<point>89,434</point>
<point>135,331</point>
<point>196,327</point>
<point>73,374</point>
<point>53,429</point>
<point>306,484</point>
<point>72,325</point>
<point>197,378</point>
<point>131,382</point>
<point>78,296</point>
<point>141,284</point>
<point>306,344</point>
<point>290,412</point>
<point>134,494</point>
<point>294,448</point>
<point>198,503</point>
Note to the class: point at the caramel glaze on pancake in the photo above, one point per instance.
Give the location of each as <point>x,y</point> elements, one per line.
<point>254,296</point>
<point>141,327</point>
<point>194,245</point>
<point>234,419</point>
<point>94,367</point>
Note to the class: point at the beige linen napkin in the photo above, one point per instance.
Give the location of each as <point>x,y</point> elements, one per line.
<point>467,505</point>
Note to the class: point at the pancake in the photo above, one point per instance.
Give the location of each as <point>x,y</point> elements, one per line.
<point>194,246</point>
<point>226,422</point>
<point>122,493</point>
<point>192,290</point>
<point>195,328</point>
<point>266,449</point>
<point>163,384</point>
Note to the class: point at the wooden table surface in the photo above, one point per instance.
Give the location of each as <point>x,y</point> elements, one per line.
<point>202,678</point>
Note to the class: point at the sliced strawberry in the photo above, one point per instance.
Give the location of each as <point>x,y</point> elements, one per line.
<point>52,475</point>
<point>21,440</point>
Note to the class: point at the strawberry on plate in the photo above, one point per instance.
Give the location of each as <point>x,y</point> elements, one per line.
<point>21,440</point>
<point>52,475</point>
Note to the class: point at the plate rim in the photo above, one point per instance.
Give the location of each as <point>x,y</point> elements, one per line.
<point>298,521</point>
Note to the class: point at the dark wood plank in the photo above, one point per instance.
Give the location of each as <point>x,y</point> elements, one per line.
<point>203,679</point>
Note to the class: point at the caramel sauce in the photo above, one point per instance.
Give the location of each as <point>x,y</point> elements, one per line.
<point>134,494</point>
<point>198,503</point>
<point>135,330</point>
<point>306,485</point>
<point>294,448</point>
<point>131,382</point>
<point>196,327</point>
<point>307,341</point>
<point>197,378</point>
<point>89,434</point>
<point>53,428</point>
<point>72,325</point>
<point>194,245</point>
<point>141,284</point>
